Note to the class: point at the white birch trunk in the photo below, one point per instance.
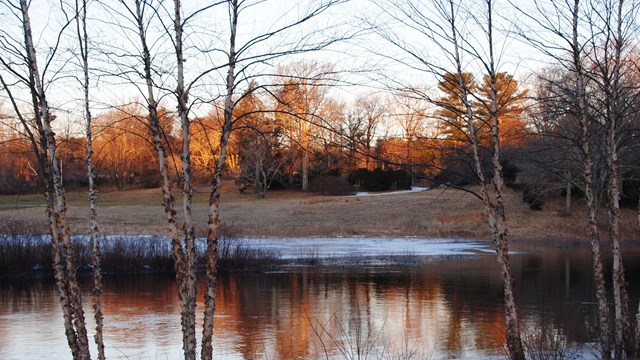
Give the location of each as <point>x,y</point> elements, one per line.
<point>168,200</point>
<point>83,40</point>
<point>623,338</point>
<point>189,295</point>
<point>64,262</point>
<point>211,256</point>
<point>583,118</point>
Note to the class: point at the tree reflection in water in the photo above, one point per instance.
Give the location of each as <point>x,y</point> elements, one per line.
<point>449,308</point>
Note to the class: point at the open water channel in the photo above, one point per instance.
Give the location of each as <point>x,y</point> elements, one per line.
<point>447,307</point>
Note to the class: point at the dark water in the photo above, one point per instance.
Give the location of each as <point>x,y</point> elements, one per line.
<point>449,308</point>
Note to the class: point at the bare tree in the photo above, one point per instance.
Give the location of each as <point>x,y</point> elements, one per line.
<point>613,25</point>
<point>258,142</point>
<point>589,40</point>
<point>19,60</point>
<point>242,58</point>
<point>362,125</point>
<point>440,23</point>
<point>83,42</point>
<point>299,103</point>
<point>410,114</point>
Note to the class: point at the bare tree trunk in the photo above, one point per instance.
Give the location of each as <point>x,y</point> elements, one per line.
<point>636,343</point>
<point>622,324</point>
<point>39,147</point>
<point>74,293</point>
<point>614,113</point>
<point>597,267</point>
<point>494,210</point>
<point>83,39</point>
<point>211,257</point>
<point>189,295</point>
<point>592,206</point>
<point>168,200</point>
<point>305,161</point>
<point>638,213</point>
<point>567,195</point>
<point>64,262</point>
<point>514,341</point>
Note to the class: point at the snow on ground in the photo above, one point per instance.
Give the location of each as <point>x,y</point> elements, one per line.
<point>413,189</point>
<point>322,248</point>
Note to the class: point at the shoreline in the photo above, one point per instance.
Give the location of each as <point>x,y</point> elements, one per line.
<point>25,256</point>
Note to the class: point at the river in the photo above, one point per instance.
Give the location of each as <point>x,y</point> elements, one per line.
<point>447,307</point>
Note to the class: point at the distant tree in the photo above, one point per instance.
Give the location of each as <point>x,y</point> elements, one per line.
<point>511,105</point>
<point>331,138</point>
<point>451,111</point>
<point>123,149</point>
<point>553,153</point>
<point>410,114</point>
<point>361,125</point>
<point>258,142</point>
<point>18,164</point>
<point>299,105</point>
<point>205,135</point>
<point>72,156</point>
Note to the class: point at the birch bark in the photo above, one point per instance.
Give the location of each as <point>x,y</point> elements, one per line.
<point>83,41</point>
<point>64,258</point>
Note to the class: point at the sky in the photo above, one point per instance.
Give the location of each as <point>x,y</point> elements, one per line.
<point>366,62</point>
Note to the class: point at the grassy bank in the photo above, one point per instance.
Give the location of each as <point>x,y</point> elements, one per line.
<point>435,213</point>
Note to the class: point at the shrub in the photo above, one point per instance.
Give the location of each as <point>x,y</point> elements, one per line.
<point>24,255</point>
<point>380,180</point>
<point>331,185</point>
<point>533,196</point>
<point>509,172</point>
<point>630,194</point>
<point>149,179</point>
<point>334,172</point>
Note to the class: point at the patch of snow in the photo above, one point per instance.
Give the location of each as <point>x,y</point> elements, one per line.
<point>413,189</point>
<point>322,248</point>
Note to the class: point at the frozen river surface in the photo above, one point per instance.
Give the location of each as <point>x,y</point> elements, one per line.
<point>322,248</point>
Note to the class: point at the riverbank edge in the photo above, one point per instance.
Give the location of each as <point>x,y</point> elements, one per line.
<point>29,256</point>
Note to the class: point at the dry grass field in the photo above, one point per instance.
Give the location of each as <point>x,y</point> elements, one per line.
<point>434,213</point>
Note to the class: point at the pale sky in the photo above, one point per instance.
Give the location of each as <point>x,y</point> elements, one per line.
<point>211,30</point>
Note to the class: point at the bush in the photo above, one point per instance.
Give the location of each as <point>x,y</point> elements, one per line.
<point>334,172</point>
<point>533,196</point>
<point>630,194</point>
<point>509,172</point>
<point>456,174</point>
<point>150,179</point>
<point>380,180</point>
<point>331,185</point>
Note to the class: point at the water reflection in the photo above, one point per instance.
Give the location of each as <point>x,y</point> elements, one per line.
<point>447,309</point>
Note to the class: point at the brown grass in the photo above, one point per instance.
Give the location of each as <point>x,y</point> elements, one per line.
<point>435,213</point>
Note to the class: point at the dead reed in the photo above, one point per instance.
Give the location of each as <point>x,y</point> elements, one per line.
<point>30,255</point>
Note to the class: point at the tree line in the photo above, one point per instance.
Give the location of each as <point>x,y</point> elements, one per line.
<point>285,137</point>
<point>244,102</point>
